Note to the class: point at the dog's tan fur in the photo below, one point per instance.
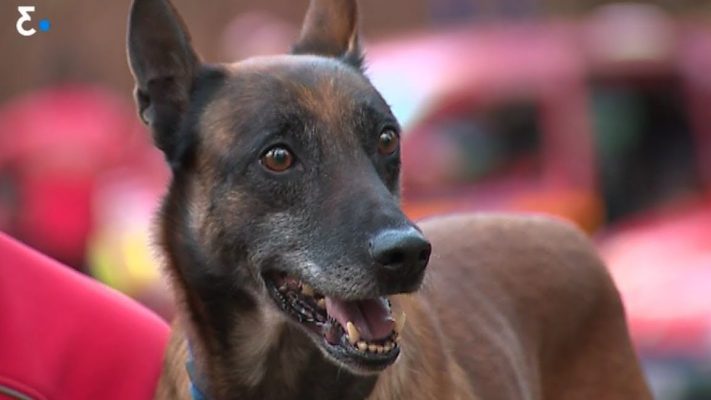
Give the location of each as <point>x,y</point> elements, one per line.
<point>513,308</point>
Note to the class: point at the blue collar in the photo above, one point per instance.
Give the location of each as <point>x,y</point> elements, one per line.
<point>195,391</point>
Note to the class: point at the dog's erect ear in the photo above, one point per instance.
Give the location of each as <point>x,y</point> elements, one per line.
<point>331,29</point>
<point>164,66</point>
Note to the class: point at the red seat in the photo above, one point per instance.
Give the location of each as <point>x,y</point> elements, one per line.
<point>65,336</point>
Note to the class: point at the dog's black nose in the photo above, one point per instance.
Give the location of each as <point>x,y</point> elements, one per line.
<point>403,252</point>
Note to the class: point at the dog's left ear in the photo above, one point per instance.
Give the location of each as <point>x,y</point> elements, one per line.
<point>331,29</point>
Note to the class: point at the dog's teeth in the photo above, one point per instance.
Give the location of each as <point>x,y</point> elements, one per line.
<point>400,322</point>
<point>307,290</point>
<point>380,349</point>
<point>283,287</point>
<point>353,334</point>
<point>388,346</point>
<point>307,313</point>
<point>362,346</point>
<point>372,347</point>
<point>321,303</point>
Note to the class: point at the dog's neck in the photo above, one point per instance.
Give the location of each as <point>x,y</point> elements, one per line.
<point>263,357</point>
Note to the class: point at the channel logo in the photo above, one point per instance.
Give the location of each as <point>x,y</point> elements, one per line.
<point>25,23</point>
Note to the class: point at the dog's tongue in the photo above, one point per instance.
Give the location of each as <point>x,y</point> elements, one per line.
<point>371,316</point>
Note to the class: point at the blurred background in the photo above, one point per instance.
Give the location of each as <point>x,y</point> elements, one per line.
<point>594,111</point>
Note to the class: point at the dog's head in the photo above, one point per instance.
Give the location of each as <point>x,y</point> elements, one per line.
<point>285,180</point>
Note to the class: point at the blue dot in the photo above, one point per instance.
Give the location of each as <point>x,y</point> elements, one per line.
<point>44,25</point>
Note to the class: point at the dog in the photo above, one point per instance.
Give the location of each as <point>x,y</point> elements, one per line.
<point>299,277</point>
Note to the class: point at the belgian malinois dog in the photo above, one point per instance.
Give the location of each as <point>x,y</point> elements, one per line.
<point>299,277</point>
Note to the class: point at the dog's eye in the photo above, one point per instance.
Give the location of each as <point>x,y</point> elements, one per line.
<point>388,142</point>
<point>278,159</point>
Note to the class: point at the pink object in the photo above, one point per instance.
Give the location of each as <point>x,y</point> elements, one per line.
<point>64,336</point>
<point>661,262</point>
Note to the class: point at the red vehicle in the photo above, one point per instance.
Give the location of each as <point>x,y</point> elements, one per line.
<point>505,107</point>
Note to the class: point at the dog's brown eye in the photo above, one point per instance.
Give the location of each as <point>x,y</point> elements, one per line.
<point>278,159</point>
<point>388,142</point>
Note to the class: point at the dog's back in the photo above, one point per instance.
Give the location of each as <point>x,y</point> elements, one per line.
<point>529,310</point>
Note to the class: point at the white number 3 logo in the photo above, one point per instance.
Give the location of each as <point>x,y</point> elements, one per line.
<point>25,17</point>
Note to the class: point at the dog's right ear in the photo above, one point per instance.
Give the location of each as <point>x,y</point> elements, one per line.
<point>164,66</point>
<point>331,29</point>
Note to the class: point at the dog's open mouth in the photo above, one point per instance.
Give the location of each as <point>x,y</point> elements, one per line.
<point>359,333</point>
